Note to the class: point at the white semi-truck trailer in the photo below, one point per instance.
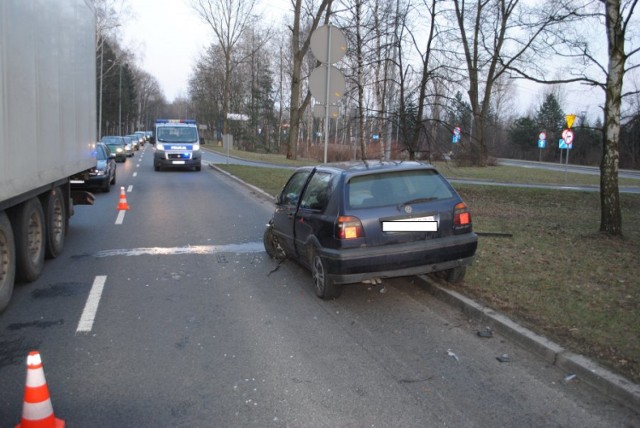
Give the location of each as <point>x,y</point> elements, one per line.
<point>47,128</point>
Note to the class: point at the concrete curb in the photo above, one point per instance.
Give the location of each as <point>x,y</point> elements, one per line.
<point>607,382</point>
<point>615,386</point>
<point>250,186</point>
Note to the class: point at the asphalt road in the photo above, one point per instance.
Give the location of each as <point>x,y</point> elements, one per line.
<point>196,327</point>
<point>577,169</point>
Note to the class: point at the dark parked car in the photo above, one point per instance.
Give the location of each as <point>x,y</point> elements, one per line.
<point>117,145</point>
<point>103,175</point>
<point>358,221</point>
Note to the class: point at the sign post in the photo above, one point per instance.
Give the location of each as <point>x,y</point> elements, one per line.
<point>567,137</point>
<point>329,45</point>
<point>542,143</point>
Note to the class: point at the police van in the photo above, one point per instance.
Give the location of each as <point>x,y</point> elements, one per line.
<point>177,144</point>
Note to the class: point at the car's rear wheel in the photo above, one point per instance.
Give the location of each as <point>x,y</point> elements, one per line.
<point>272,246</point>
<point>454,275</point>
<point>324,286</point>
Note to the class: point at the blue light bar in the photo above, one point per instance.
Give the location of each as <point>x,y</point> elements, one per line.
<point>187,121</point>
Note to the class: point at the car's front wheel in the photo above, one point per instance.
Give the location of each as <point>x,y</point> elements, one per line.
<point>272,246</point>
<point>324,286</point>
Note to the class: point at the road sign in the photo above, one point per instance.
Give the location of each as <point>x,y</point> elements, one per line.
<point>567,136</point>
<point>318,84</point>
<point>570,118</point>
<point>542,136</point>
<point>542,144</point>
<point>328,44</point>
<point>456,135</point>
<point>319,111</point>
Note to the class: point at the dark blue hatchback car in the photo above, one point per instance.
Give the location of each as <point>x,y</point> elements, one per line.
<point>357,221</point>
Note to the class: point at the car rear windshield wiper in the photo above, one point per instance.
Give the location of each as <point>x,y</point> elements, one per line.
<point>415,201</point>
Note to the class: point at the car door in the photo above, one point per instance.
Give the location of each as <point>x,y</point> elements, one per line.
<point>312,225</point>
<point>286,207</point>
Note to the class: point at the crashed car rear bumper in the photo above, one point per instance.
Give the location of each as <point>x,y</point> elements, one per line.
<point>389,261</point>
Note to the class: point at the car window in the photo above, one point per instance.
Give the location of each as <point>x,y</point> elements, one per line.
<point>316,195</point>
<point>292,189</point>
<point>394,188</point>
<point>177,134</point>
<point>101,154</point>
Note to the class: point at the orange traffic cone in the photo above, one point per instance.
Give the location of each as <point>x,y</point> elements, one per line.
<point>37,411</point>
<point>123,205</point>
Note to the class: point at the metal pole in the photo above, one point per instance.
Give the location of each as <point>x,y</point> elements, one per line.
<point>326,104</point>
<point>120,101</point>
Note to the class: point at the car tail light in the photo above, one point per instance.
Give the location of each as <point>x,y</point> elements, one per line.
<point>348,227</point>
<point>461,215</point>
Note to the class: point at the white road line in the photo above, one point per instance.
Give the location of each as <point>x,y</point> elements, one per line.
<point>130,188</point>
<point>91,307</point>
<point>135,174</point>
<point>120,217</point>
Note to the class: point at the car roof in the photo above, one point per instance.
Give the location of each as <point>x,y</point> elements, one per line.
<point>366,167</point>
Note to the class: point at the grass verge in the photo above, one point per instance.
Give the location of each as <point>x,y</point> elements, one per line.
<point>556,275</point>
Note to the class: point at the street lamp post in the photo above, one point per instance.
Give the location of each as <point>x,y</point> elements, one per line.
<point>120,99</point>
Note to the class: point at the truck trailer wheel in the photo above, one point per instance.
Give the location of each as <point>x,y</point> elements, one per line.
<point>7,261</point>
<point>56,222</point>
<point>30,239</point>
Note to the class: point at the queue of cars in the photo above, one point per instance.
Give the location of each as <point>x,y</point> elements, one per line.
<point>109,150</point>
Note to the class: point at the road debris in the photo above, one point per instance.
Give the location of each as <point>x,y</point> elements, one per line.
<point>570,377</point>
<point>453,355</point>
<point>504,358</point>
<point>486,332</point>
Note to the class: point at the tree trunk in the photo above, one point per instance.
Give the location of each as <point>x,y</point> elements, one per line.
<point>299,51</point>
<point>611,216</point>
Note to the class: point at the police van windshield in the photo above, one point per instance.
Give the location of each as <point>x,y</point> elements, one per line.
<point>177,134</point>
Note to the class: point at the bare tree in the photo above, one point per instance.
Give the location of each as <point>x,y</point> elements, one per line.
<point>300,42</point>
<point>619,23</point>
<point>228,19</point>
<point>495,34</point>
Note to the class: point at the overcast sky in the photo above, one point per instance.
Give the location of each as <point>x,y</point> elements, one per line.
<point>168,37</point>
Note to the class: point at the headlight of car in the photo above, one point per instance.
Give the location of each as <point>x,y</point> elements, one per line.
<point>159,146</point>
<point>196,146</point>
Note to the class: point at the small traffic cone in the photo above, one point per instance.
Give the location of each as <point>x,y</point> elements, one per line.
<point>123,205</point>
<point>37,411</point>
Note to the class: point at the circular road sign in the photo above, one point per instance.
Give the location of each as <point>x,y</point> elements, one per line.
<point>567,135</point>
<point>323,49</point>
<point>318,84</point>
<point>542,136</point>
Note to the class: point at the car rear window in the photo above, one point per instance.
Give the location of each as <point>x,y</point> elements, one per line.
<point>394,188</point>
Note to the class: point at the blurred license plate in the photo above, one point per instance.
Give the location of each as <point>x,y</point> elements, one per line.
<point>421,224</point>
<point>178,162</point>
